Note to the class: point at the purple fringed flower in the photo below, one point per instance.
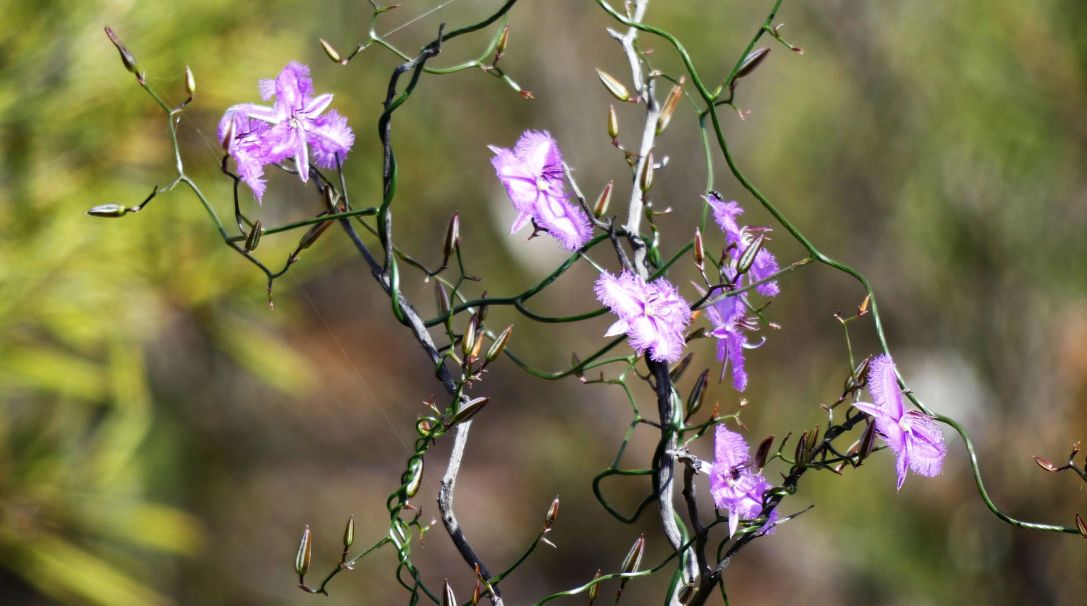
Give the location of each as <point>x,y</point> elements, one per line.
<point>764,264</point>
<point>730,320</point>
<point>914,436</point>
<point>533,175</point>
<point>653,314</point>
<point>295,126</point>
<point>735,488</point>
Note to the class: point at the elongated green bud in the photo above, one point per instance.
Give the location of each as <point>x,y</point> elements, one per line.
<point>349,533</point>
<point>503,41</point>
<point>305,551</point>
<point>469,408</point>
<point>314,232</point>
<point>190,82</point>
<point>699,251</point>
<point>127,58</point>
<point>413,477</point>
<point>698,393</point>
<point>752,61</point>
<point>441,299</point>
<point>111,211</point>
<point>613,123</point>
<point>748,256</point>
<point>452,236</point>
<point>614,86</point>
<point>499,344</point>
<point>603,200</point>
<point>594,591</point>
<point>448,599</point>
<point>633,561</point>
<point>645,178</point>
<point>253,239</point>
<point>552,513</point>
<point>330,51</point>
<point>669,107</point>
<point>468,341</point>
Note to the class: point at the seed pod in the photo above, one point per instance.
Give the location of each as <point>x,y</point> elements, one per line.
<point>305,551</point>
<point>669,108</point>
<point>594,591</point>
<point>332,53</point>
<point>111,211</point>
<point>800,452</point>
<point>126,57</point>
<point>752,61</point>
<point>868,442</point>
<point>349,533</point>
<point>1081,526</point>
<point>552,513</point>
<point>448,599</point>
<point>499,344</point>
<point>228,136</point>
<point>603,200</point>
<point>763,451</point>
<point>452,236</point>
<point>748,256</point>
<point>645,178</point>
<point>253,239</point>
<point>314,232</point>
<point>503,40</point>
<point>699,251</point>
<point>615,87</point>
<point>190,82</point>
<point>698,393</point>
<point>613,123</point>
<point>634,556</point>
<point>677,372</point>
<point>465,411</point>
<point>1045,464</point>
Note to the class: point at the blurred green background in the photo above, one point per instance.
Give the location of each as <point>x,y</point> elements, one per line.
<point>165,435</point>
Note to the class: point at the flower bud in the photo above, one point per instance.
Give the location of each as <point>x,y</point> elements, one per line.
<point>452,235</point>
<point>1081,526</point>
<point>253,239</point>
<point>477,593</point>
<point>448,599</point>
<point>748,256</point>
<point>613,123</point>
<point>1045,464</point>
<point>349,533</point>
<point>634,556</point>
<point>763,451</point>
<point>645,178</point>
<point>503,41</point>
<point>469,408</point>
<point>108,210</point>
<point>499,344</point>
<point>314,232</point>
<point>669,108</point>
<point>603,200</point>
<point>868,442</point>
<point>331,52</point>
<point>228,136</point>
<point>698,393</point>
<point>126,57</point>
<point>441,299</point>
<point>552,513</point>
<point>615,87</point>
<point>305,551</point>
<point>594,591</point>
<point>677,372</point>
<point>190,82</point>
<point>699,251</point>
<point>468,340</point>
<point>751,61</point>
<point>800,452</point>
<point>413,477</point>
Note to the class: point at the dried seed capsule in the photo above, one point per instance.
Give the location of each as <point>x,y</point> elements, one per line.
<point>1081,526</point>
<point>634,556</point>
<point>314,232</point>
<point>1045,464</point>
<point>441,299</point>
